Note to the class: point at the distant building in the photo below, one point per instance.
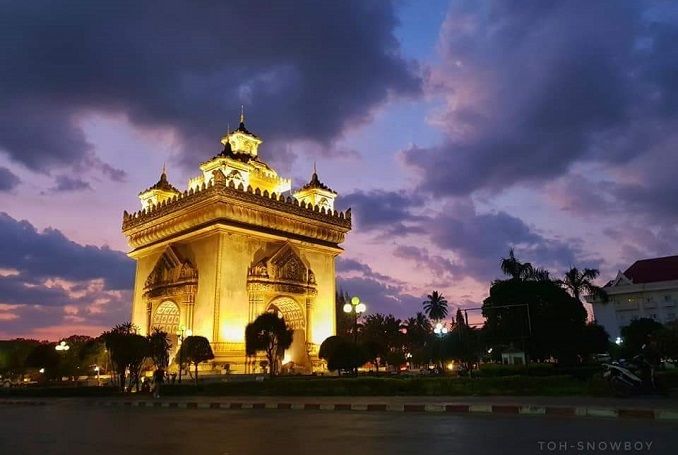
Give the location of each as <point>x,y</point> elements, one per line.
<point>647,289</point>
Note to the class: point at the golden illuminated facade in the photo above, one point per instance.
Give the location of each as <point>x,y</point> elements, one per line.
<point>232,246</point>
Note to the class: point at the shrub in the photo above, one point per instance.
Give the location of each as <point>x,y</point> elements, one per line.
<point>493,370</point>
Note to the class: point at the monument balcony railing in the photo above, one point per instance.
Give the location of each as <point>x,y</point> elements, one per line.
<point>219,186</point>
<point>227,347</point>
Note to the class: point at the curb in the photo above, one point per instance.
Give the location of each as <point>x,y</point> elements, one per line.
<point>22,402</point>
<point>447,408</point>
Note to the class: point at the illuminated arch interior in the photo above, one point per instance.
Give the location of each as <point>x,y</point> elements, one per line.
<point>166,317</point>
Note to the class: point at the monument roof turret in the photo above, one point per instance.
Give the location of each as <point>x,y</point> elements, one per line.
<point>315,183</point>
<point>163,184</point>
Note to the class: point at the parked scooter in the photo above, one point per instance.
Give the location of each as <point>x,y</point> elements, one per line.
<point>636,377</point>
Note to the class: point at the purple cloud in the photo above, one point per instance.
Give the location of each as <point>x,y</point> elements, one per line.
<point>8,181</point>
<point>304,69</point>
<point>534,87</point>
<point>38,256</point>
<point>66,183</point>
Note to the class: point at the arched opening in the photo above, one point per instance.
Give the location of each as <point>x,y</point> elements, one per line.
<point>166,317</point>
<point>295,318</point>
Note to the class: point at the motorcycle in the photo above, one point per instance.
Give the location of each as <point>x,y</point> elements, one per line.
<point>636,377</point>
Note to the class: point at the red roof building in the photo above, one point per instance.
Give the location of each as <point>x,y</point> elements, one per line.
<point>647,289</point>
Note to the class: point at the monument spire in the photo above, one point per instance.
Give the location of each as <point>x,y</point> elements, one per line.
<point>242,114</point>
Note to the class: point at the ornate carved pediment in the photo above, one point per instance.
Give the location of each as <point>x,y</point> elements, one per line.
<point>260,269</point>
<point>283,272</point>
<point>287,265</point>
<point>170,273</point>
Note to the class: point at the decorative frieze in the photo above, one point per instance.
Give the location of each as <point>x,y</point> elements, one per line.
<point>222,200</point>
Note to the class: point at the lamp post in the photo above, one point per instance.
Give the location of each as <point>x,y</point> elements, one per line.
<point>96,370</point>
<point>356,307</point>
<point>180,334</point>
<point>63,346</point>
<point>440,330</point>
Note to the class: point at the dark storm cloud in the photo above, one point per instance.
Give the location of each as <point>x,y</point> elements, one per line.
<point>533,87</point>
<point>65,183</point>
<point>49,254</point>
<point>304,69</point>
<point>348,266</point>
<point>389,211</point>
<point>480,240</point>
<point>28,318</point>
<point>381,297</point>
<point>8,181</point>
<point>14,290</point>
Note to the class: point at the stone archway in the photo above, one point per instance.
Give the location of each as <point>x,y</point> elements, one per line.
<point>170,287</point>
<point>295,317</point>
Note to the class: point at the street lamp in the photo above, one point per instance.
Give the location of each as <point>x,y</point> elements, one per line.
<point>180,334</point>
<point>96,370</point>
<point>440,330</point>
<point>619,341</point>
<point>356,307</point>
<point>63,346</point>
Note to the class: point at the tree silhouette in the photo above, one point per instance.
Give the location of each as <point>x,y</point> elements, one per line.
<point>159,346</point>
<point>580,282</point>
<point>435,306</point>
<point>268,333</point>
<point>128,350</point>
<point>195,350</point>
<point>518,271</point>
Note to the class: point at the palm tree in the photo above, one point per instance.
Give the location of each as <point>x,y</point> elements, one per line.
<point>517,270</point>
<point>579,282</point>
<point>435,306</point>
<point>160,345</point>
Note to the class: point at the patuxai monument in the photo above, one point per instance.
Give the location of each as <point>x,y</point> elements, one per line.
<point>236,243</point>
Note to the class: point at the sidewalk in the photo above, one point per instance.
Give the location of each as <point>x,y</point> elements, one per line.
<point>651,408</point>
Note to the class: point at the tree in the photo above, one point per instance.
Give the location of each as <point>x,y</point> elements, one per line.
<point>93,354</point>
<point>13,355</point>
<point>637,333</point>
<point>435,306</point>
<point>592,340</point>
<point>518,271</point>
<point>464,344</point>
<point>375,352</point>
<point>327,346</point>
<point>44,356</point>
<point>159,346</point>
<point>127,350</point>
<point>580,282</point>
<point>418,338</point>
<point>668,340</point>
<point>343,319</point>
<point>381,335</point>
<point>345,356</point>
<point>195,350</point>
<point>539,312</point>
<point>270,334</point>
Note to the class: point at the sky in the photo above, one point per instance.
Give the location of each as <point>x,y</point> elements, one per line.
<point>455,130</point>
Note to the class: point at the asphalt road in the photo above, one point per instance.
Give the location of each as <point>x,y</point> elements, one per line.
<point>76,429</point>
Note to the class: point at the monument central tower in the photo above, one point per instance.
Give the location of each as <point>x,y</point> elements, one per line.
<point>233,245</point>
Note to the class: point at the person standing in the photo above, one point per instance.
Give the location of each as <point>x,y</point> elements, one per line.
<point>158,378</point>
